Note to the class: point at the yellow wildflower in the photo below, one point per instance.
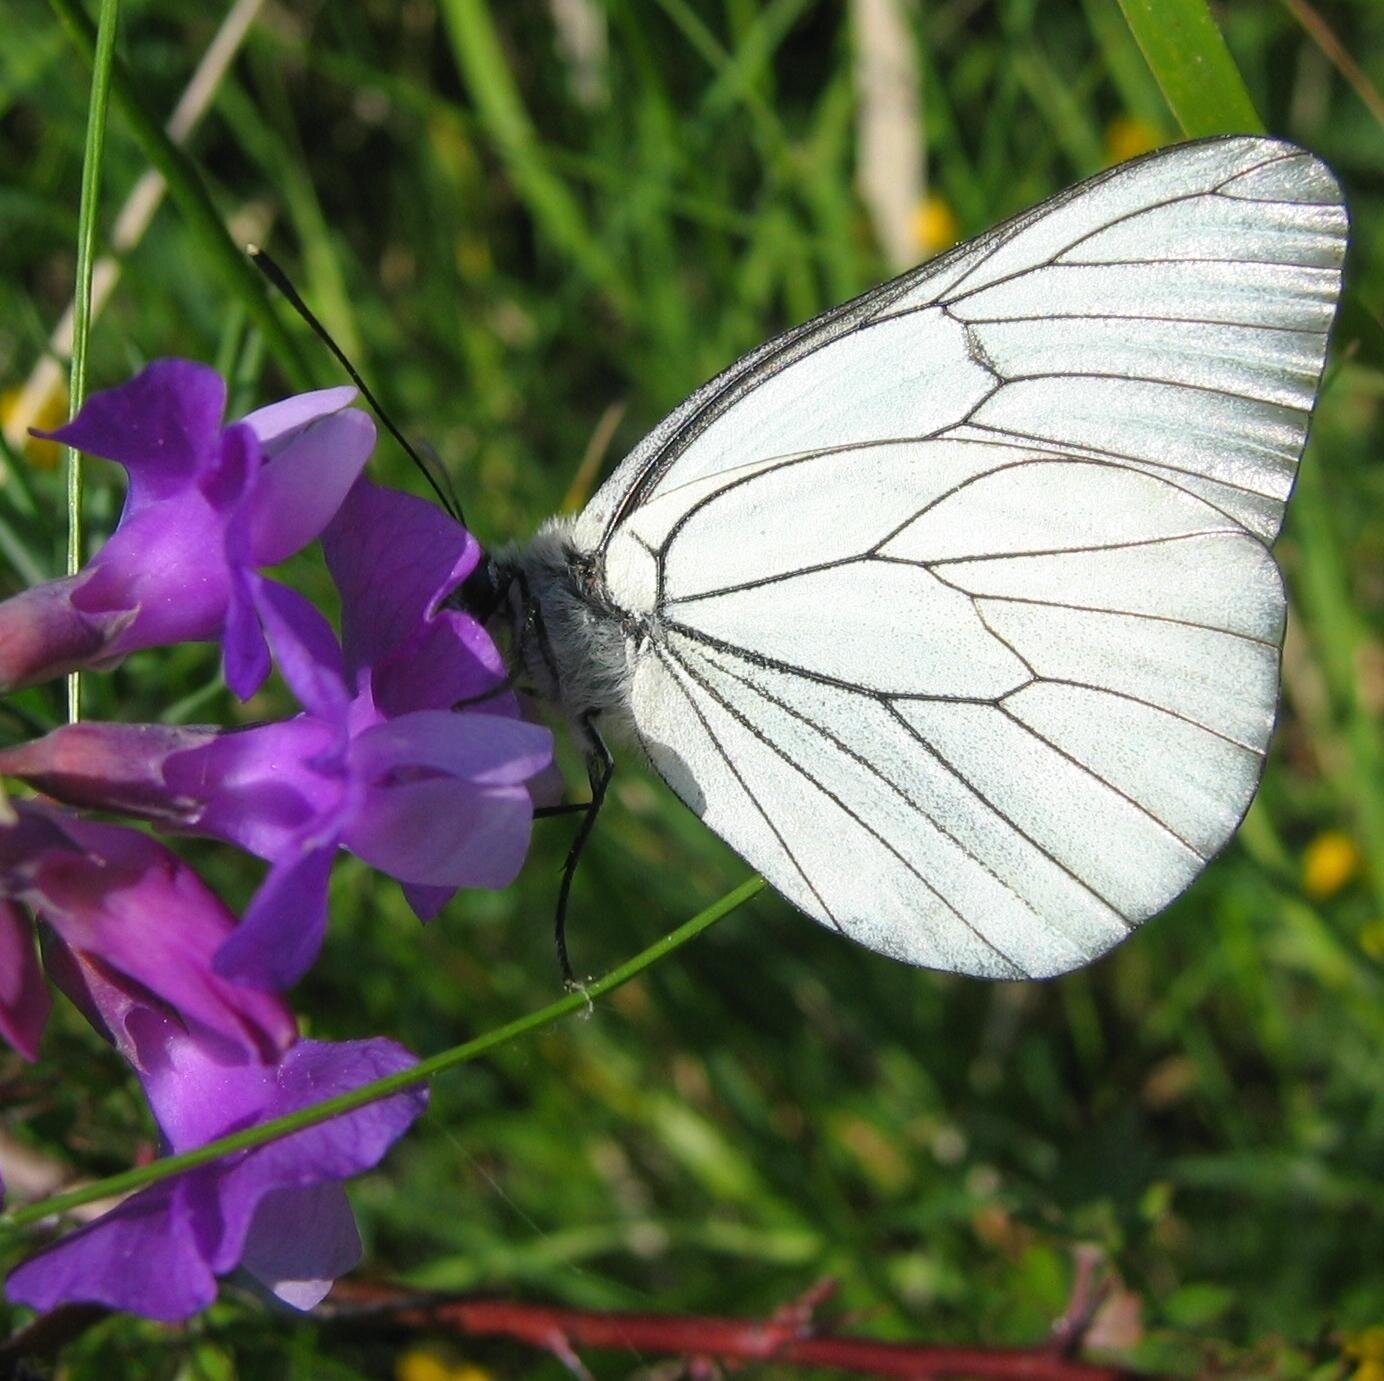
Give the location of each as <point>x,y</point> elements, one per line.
<point>43,455</point>
<point>1332,860</point>
<point>1367,1348</point>
<point>1127,136</point>
<point>935,226</point>
<point>420,1364</point>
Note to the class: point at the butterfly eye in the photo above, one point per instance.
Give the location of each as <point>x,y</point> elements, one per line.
<point>481,593</point>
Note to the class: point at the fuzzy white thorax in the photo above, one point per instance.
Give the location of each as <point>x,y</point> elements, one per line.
<point>580,650</point>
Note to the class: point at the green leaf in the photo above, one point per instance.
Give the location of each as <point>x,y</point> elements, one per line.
<point>1193,67</point>
<point>1198,1304</point>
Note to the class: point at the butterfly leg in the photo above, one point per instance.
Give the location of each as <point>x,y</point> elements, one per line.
<point>600,767</point>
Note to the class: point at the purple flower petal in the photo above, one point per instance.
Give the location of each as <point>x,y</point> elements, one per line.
<point>394,557</point>
<point>142,1256</point>
<point>205,508</point>
<point>442,832</point>
<point>43,634</point>
<point>547,788</point>
<point>110,1001</point>
<point>299,491</point>
<point>165,564</point>
<point>163,426</point>
<point>245,654</point>
<point>24,997</point>
<point>116,767</point>
<point>334,1150</point>
<point>277,1209</point>
<point>300,1241</point>
<point>312,1071</point>
<point>486,749</point>
<point>124,900</point>
<point>258,787</point>
<point>225,483</point>
<point>281,933</point>
<point>278,423</point>
<point>197,1094</point>
<point>450,661</point>
<point>426,902</point>
<point>305,649</point>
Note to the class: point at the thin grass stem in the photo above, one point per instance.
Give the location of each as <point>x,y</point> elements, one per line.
<point>422,1072</point>
<point>102,61</point>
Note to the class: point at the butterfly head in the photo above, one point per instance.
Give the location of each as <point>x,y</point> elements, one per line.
<point>565,636</point>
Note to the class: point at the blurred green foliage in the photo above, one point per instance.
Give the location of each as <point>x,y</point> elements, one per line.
<point>522,254</point>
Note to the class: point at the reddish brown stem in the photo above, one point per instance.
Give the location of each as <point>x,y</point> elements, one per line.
<point>783,1340</point>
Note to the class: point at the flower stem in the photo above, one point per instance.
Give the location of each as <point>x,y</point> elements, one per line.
<point>422,1072</point>
<point>81,301</point>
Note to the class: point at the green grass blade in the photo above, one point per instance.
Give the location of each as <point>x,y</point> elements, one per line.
<point>1129,73</point>
<point>187,190</point>
<point>481,61</point>
<point>1341,637</point>
<point>1199,79</point>
<point>102,58</point>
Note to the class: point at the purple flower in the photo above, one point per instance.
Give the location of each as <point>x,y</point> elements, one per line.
<point>131,916</point>
<point>133,937</point>
<point>279,1211</point>
<point>395,559</point>
<point>379,762</point>
<point>206,507</point>
<point>24,1000</point>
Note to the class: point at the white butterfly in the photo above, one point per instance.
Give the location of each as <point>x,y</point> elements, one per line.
<point>952,610</point>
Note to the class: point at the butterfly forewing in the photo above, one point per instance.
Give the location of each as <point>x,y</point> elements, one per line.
<point>960,622</point>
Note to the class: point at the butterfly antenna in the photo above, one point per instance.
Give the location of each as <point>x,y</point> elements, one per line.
<point>429,453</point>
<point>266,265</point>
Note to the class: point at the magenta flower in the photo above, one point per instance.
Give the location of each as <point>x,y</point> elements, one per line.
<point>134,936</point>
<point>207,507</point>
<point>24,1000</point>
<point>379,762</point>
<point>122,905</point>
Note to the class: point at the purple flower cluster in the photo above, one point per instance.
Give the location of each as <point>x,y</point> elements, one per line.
<point>407,752</point>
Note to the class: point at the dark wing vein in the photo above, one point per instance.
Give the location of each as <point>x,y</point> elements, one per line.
<point>722,393</point>
<point>1101,609</point>
<point>752,728</point>
<point>1140,316</point>
<point>1132,214</point>
<point>1134,460</point>
<point>759,659</point>
<point>664,657</point>
<point>1105,782</point>
<point>1166,539</point>
<point>955,772</point>
<point>1123,695</point>
<point>1161,383</point>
